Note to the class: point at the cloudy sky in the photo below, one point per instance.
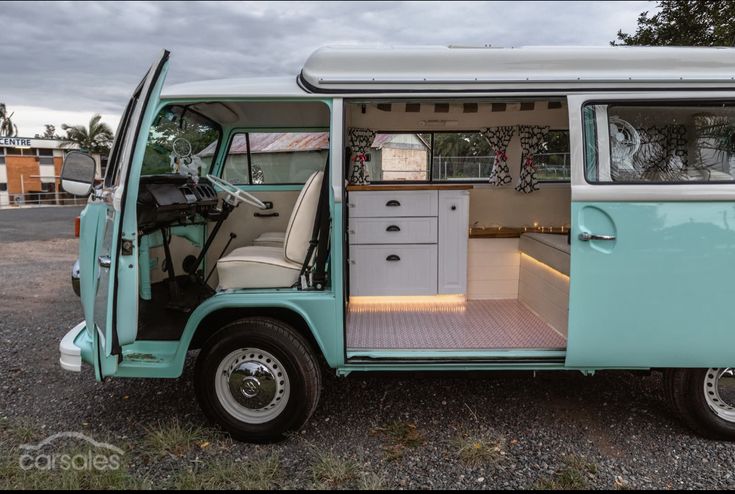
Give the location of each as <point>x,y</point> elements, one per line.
<point>62,62</point>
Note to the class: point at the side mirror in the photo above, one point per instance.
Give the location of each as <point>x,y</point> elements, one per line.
<point>77,174</point>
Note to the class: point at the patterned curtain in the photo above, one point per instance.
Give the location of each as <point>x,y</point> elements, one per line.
<point>499,139</point>
<point>360,141</point>
<point>533,140</point>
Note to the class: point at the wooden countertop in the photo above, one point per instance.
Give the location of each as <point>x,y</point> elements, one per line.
<point>508,232</point>
<point>377,187</point>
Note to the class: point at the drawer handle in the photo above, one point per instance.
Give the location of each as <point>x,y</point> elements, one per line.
<point>392,258</point>
<point>393,228</point>
<point>392,203</point>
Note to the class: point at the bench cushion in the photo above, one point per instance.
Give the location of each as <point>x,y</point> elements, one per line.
<point>256,267</point>
<point>552,250</point>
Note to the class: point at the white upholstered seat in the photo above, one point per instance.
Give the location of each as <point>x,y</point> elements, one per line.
<point>270,239</point>
<point>262,266</point>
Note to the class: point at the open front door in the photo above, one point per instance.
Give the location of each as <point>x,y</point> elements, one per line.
<point>653,237</point>
<point>109,250</point>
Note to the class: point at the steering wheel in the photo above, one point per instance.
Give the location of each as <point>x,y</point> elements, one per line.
<point>234,194</point>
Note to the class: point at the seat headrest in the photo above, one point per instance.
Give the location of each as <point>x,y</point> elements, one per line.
<point>301,224</point>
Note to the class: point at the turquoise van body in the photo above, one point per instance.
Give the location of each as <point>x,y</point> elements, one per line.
<point>651,277</point>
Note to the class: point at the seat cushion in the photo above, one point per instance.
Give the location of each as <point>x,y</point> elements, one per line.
<point>256,267</point>
<point>270,239</point>
<point>553,250</point>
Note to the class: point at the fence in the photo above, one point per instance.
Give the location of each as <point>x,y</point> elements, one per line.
<point>30,199</point>
<point>550,167</point>
<point>27,198</point>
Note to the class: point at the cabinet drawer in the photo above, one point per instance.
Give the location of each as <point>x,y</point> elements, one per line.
<point>393,230</point>
<point>376,204</point>
<point>393,269</point>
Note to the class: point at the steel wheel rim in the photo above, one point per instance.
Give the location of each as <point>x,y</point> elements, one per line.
<point>252,385</point>
<point>719,391</point>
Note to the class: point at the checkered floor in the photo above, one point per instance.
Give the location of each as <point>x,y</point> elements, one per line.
<point>475,324</point>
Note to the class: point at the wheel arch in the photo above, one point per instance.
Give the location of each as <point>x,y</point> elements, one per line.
<point>221,310</point>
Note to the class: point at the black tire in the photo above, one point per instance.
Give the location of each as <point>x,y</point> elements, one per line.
<point>286,345</point>
<point>684,390</point>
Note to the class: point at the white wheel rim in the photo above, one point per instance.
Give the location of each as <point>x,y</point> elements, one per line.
<point>252,385</point>
<point>719,391</point>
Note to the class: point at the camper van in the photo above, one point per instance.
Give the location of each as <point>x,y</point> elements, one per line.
<point>417,209</point>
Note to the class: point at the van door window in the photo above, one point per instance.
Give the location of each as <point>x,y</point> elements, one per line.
<point>275,157</point>
<point>181,141</point>
<point>660,143</point>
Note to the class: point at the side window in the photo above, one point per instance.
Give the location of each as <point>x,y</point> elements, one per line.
<point>659,143</point>
<point>553,162</point>
<point>181,141</point>
<point>455,156</point>
<point>275,157</point>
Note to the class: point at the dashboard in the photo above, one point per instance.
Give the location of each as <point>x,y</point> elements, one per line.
<point>171,200</point>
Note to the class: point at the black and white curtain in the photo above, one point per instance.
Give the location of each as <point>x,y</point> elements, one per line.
<point>533,141</point>
<point>359,141</point>
<point>499,140</point>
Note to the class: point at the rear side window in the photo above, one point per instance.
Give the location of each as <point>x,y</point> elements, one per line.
<point>659,143</point>
<point>269,158</point>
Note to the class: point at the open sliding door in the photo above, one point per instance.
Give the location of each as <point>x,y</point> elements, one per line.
<point>653,236</point>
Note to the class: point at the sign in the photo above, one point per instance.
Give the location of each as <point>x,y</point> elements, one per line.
<point>15,142</point>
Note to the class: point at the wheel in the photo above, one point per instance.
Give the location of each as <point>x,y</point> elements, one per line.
<point>258,379</point>
<point>704,399</point>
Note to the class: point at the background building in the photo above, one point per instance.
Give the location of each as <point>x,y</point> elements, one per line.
<point>30,169</point>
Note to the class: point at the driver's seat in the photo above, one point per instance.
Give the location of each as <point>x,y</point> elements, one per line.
<point>275,267</point>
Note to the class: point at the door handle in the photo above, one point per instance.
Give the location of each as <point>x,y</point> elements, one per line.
<point>587,236</point>
<point>104,262</point>
<point>266,215</point>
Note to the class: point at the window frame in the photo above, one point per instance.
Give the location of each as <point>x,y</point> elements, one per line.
<point>186,108</point>
<point>654,101</point>
<point>475,181</point>
<point>254,130</point>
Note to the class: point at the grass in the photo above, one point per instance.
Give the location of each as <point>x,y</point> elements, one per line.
<point>400,436</point>
<point>476,451</point>
<point>226,474</point>
<point>175,439</point>
<point>574,475</point>
<point>330,471</point>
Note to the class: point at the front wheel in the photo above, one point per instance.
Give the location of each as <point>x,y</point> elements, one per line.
<point>258,379</point>
<point>704,399</point>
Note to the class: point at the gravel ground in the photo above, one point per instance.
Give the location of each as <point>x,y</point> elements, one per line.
<point>488,430</point>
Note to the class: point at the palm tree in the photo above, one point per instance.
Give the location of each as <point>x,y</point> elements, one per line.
<point>7,127</point>
<point>96,138</point>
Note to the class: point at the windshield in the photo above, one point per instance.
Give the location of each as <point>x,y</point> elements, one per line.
<point>176,141</point>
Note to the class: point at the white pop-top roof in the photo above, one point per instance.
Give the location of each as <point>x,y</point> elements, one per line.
<point>418,69</point>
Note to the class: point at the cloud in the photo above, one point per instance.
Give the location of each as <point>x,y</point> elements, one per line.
<point>76,59</point>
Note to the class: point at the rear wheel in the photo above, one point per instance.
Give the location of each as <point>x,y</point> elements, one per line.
<point>704,399</point>
<point>258,379</point>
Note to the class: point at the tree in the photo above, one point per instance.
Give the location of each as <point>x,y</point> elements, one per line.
<point>684,23</point>
<point>7,127</point>
<point>97,138</point>
<point>49,133</point>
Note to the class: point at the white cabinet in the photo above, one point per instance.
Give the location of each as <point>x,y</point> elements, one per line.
<point>390,203</point>
<point>393,230</point>
<point>408,269</point>
<point>454,210</point>
<point>408,242</point>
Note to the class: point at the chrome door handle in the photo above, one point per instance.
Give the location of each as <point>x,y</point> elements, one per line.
<point>104,262</point>
<point>587,236</point>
